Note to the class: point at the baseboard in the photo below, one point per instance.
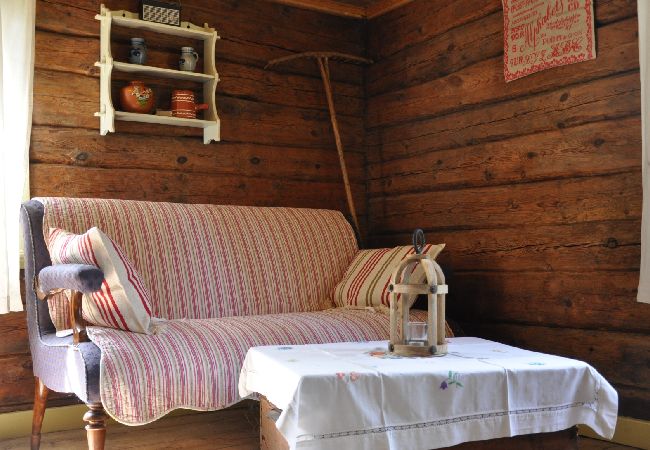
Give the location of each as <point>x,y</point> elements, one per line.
<point>19,423</point>
<point>629,431</point>
<point>62,418</point>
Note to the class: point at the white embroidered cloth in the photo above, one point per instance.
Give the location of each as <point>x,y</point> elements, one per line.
<point>353,395</point>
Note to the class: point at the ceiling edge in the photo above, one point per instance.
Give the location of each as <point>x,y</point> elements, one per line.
<point>337,8</point>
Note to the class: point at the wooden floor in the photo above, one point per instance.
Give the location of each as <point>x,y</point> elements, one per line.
<point>235,429</point>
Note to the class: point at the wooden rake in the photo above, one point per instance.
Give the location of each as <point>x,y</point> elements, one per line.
<point>322,58</point>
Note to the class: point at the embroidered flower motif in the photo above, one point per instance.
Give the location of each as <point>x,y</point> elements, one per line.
<point>353,376</point>
<point>452,378</point>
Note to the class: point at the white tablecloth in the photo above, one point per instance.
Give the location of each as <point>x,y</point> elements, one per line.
<point>354,396</point>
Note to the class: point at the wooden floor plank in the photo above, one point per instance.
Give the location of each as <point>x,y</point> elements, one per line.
<point>234,429</point>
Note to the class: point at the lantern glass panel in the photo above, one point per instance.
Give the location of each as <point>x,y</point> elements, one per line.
<point>416,333</point>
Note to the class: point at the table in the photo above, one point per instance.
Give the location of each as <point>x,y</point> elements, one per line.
<point>356,396</point>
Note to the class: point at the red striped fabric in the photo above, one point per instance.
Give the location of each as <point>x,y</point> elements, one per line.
<point>205,261</point>
<point>59,307</point>
<point>195,364</point>
<point>122,302</point>
<point>365,283</point>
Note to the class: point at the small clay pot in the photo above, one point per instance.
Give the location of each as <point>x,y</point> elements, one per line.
<point>137,98</point>
<point>183,104</point>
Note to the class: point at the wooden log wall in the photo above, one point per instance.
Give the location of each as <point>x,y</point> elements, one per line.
<point>534,185</point>
<point>277,146</point>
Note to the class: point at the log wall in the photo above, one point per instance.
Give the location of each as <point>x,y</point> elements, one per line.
<point>277,146</point>
<point>534,185</point>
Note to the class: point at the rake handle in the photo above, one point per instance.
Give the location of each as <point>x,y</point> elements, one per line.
<point>323,65</point>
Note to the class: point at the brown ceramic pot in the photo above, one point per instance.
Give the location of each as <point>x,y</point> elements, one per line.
<point>183,104</point>
<point>137,98</point>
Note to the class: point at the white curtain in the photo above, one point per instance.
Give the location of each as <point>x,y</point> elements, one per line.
<point>644,59</point>
<point>16,76</point>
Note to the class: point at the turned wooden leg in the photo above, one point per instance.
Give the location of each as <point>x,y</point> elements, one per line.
<point>96,428</point>
<point>40,400</point>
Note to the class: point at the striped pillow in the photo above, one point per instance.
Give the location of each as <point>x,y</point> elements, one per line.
<point>123,301</point>
<point>365,283</point>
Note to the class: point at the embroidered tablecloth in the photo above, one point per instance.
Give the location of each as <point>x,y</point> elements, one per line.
<point>355,396</point>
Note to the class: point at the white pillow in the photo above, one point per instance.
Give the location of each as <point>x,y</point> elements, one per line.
<point>123,301</point>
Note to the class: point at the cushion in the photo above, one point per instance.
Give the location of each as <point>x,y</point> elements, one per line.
<point>366,281</point>
<point>203,261</point>
<point>195,364</point>
<point>59,307</point>
<point>123,301</point>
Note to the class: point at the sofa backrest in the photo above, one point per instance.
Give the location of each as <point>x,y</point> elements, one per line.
<point>203,261</point>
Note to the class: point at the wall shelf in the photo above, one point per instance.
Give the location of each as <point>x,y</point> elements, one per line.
<point>187,30</point>
<point>208,79</point>
<point>160,72</point>
<point>163,120</point>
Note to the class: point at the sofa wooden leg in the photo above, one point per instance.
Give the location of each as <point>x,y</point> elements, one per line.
<point>96,428</point>
<point>40,402</point>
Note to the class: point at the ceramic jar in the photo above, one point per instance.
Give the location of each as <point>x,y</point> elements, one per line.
<point>137,98</point>
<point>188,60</point>
<point>183,104</point>
<point>138,52</point>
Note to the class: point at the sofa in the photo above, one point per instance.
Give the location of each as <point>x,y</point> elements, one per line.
<point>222,279</point>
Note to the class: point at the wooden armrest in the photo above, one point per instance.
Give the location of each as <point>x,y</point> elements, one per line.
<point>79,333</point>
<point>79,279</point>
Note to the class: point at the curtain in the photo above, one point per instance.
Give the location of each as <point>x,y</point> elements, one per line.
<point>16,76</point>
<point>644,58</point>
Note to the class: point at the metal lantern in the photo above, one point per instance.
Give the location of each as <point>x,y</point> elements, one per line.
<point>407,338</point>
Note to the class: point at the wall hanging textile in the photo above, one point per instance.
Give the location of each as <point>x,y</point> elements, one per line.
<point>540,34</point>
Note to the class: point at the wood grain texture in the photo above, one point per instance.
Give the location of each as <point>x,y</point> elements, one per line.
<point>533,185</point>
<point>604,99</point>
<point>483,82</point>
<point>360,9</point>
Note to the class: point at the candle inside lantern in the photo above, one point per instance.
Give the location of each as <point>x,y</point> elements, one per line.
<point>416,334</point>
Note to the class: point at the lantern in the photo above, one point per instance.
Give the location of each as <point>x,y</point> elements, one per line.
<point>417,339</point>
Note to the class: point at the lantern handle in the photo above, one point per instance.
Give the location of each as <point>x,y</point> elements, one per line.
<point>418,241</point>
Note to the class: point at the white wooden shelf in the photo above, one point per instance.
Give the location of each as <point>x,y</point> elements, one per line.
<point>160,72</point>
<point>163,120</point>
<point>209,79</point>
<point>187,30</point>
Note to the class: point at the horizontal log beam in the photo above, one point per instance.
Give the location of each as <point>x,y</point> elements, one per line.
<point>564,201</point>
<point>578,247</point>
<point>158,185</point>
<point>483,82</point>
<point>592,149</point>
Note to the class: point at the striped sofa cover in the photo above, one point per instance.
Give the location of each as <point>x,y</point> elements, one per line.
<point>225,278</point>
